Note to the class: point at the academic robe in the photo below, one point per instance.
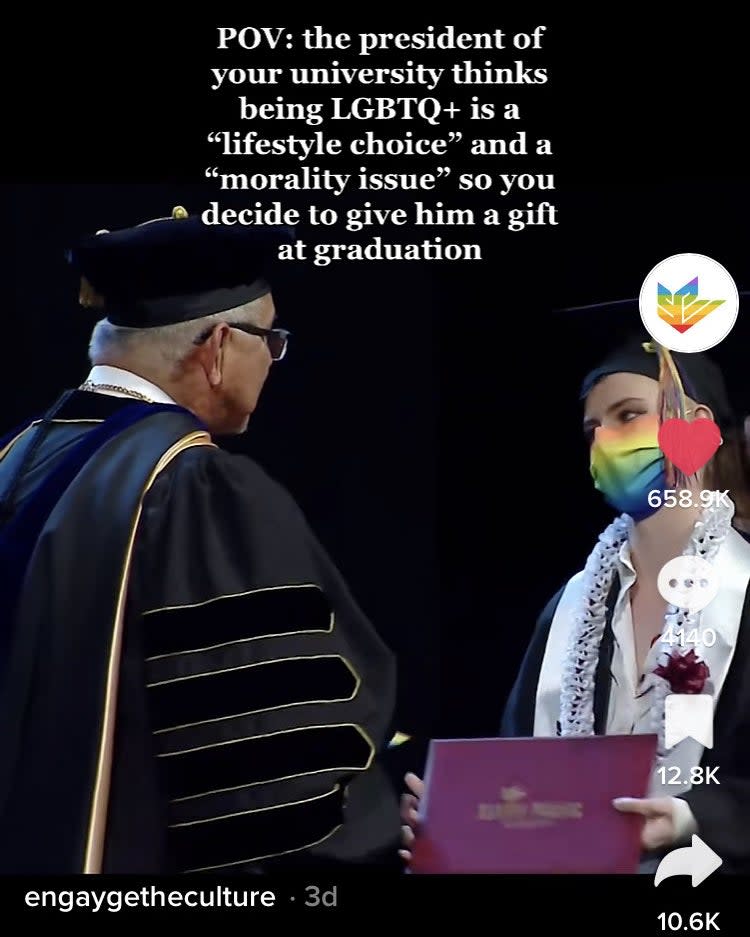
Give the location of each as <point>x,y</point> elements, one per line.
<point>186,682</point>
<point>722,811</point>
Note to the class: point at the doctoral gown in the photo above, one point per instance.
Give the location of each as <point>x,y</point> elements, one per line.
<point>186,682</point>
<point>721,810</point>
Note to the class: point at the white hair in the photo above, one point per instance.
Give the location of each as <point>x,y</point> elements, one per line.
<point>161,346</point>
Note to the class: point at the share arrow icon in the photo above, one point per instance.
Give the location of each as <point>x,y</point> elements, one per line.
<point>698,861</point>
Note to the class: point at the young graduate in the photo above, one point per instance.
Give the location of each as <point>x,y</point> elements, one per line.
<point>186,682</point>
<point>600,660</point>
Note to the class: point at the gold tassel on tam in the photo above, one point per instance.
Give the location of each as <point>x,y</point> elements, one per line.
<point>88,297</point>
<point>672,404</point>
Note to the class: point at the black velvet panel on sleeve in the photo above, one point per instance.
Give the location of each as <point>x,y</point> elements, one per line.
<point>268,690</point>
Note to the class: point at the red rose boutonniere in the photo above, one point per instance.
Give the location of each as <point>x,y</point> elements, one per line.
<point>685,673</point>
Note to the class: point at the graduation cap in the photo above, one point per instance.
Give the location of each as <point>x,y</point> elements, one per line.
<point>174,269</point>
<point>614,340</point>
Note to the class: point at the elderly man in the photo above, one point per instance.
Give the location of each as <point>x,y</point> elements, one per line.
<point>186,683</point>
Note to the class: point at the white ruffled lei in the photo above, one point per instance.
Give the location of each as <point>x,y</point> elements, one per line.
<point>582,656</point>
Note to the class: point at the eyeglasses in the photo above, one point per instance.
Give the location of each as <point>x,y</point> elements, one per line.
<point>276,339</point>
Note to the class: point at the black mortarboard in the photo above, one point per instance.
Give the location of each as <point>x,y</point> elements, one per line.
<point>616,341</point>
<point>175,269</point>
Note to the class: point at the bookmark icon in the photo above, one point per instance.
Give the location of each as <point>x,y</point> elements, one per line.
<point>686,716</point>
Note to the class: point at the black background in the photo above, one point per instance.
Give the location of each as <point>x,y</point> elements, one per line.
<point>426,416</point>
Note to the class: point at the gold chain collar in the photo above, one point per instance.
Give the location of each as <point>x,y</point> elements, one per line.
<point>91,386</point>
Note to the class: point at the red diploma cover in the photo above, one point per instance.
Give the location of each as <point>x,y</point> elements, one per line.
<point>533,805</point>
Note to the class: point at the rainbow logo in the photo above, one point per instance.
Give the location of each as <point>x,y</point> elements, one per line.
<point>682,309</point>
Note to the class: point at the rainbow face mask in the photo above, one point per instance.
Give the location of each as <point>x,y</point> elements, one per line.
<point>627,463</point>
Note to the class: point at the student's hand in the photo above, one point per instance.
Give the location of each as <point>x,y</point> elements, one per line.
<point>660,828</point>
<point>410,813</point>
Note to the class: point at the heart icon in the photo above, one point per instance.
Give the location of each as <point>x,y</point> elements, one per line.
<point>689,445</point>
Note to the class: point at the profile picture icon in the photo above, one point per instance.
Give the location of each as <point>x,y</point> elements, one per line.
<point>689,303</point>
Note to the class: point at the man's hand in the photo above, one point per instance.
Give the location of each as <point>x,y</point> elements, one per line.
<point>410,813</point>
<point>660,829</point>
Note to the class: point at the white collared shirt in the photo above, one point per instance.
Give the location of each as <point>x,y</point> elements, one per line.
<point>119,377</point>
<point>627,713</point>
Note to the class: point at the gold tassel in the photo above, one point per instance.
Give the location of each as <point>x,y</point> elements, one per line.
<point>672,404</point>
<point>88,297</point>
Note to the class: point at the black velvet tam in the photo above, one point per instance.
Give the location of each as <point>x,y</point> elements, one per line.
<point>175,269</point>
